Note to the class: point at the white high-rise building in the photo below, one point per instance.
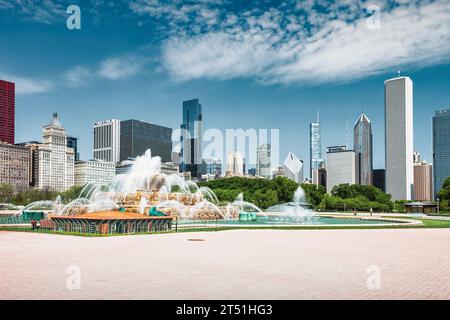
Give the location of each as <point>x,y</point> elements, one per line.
<point>263,163</point>
<point>107,141</point>
<point>342,167</point>
<point>235,164</point>
<point>97,172</point>
<point>398,96</point>
<point>293,168</point>
<point>53,164</point>
<point>316,160</point>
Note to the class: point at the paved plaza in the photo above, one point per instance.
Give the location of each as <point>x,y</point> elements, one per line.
<point>240,264</point>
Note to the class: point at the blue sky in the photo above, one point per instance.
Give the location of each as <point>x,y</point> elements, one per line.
<point>252,64</point>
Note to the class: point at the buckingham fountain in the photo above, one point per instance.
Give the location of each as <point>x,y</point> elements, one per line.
<point>145,199</point>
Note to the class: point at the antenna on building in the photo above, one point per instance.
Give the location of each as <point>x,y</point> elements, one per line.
<point>318,115</point>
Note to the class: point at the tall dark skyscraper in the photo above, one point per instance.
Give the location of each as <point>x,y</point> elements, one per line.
<point>137,136</point>
<point>379,177</point>
<point>72,142</point>
<point>191,137</point>
<point>441,148</point>
<point>363,147</point>
<point>7,111</point>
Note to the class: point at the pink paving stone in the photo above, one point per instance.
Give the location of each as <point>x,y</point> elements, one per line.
<point>244,264</point>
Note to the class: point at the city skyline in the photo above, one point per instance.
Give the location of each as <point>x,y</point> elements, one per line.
<point>127,69</point>
<point>323,146</point>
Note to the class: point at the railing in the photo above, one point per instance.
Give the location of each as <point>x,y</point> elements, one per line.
<point>14,220</point>
<point>88,228</point>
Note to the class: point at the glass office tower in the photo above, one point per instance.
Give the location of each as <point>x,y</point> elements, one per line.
<point>441,148</point>
<point>363,147</point>
<point>137,136</point>
<point>191,137</point>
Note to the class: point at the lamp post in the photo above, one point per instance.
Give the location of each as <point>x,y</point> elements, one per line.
<point>438,204</point>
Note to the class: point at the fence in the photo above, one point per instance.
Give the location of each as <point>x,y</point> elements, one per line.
<point>88,227</point>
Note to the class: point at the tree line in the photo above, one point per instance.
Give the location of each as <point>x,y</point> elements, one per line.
<point>266,193</point>
<point>263,193</point>
<point>8,194</point>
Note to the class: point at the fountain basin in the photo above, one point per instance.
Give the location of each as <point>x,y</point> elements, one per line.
<point>247,216</point>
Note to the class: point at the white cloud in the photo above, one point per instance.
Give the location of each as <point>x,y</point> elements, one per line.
<point>26,85</point>
<point>121,67</point>
<point>114,69</point>
<point>42,11</point>
<point>274,46</point>
<point>77,77</point>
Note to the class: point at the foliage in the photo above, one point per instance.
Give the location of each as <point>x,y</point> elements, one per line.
<point>399,206</point>
<point>444,193</point>
<point>443,206</point>
<point>6,193</point>
<point>356,197</point>
<point>9,195</point>
<point>262,192</point>
<point>265,193</point>
<point>314,194</point>
<point>71,194</point>
<point>444,196</point>
<point>31,195</point>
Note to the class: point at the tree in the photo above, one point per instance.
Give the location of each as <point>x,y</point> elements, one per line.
<point>344,191</point>
<point>71,194</point>
<point>446,183</point>
<point>263,193</point>
<point>314,194</point>
<point>443,206</point>
<point>444,193</point>
<point>6,193</point>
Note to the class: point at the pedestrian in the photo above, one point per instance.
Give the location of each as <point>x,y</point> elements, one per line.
<point>371,211</point>
<point>33,224</point>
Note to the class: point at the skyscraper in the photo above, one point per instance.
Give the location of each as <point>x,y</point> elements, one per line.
<point>342,167</point>
<point>293,168</point>
<point>379,179</point>
<point>316,160</point>
<point>363,147</point>
<point>15,166</point>
<point>137,136</point>
<point>191,137</point>
<point>107,140</point>
<point>441,148</point>
<point>72,142</point>
<point>7,111</point>
<point>423,183</point>
<point>398,96</point>
<point>98,172</point>
<point>235,164</point>
<point>212,167</point>
<point>53,161</point>
<point>263,163</point>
